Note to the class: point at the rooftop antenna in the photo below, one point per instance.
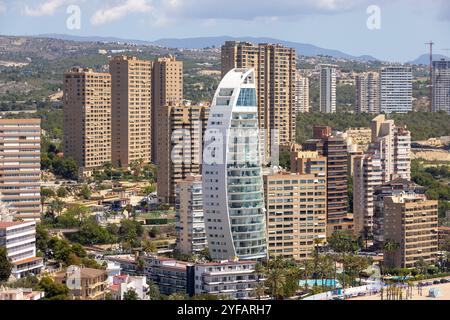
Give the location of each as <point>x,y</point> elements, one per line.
<point>431,43</point>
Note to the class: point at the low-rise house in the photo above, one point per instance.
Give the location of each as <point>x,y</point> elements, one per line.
<point>22,294</point>
<point>84,283</point>
<point>121,284</point>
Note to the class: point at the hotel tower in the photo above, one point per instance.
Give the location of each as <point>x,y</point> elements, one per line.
<point>232,172</point>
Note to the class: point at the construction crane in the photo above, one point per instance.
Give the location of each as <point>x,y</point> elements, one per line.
<point>431,43</point>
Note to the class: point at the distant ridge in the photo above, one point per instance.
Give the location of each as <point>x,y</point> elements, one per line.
<point>425,59</point>
<point>205,42</point>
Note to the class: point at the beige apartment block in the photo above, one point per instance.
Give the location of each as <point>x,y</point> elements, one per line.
<point>87,118</point>
<point>190,220</point>
<point>275,69</point>
<point>180,146</point>
<point>167,83</point>
<point>20,167</point>
<point>297,208</point>
<point>411,221</point>
<point>131,81</point>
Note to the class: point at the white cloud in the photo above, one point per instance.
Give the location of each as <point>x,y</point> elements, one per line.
<point>46,8</point>
<point>120,10</point>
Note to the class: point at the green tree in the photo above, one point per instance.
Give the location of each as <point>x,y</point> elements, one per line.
<point>130,295</point>
<point>62,192</point>
<point>5,265</point>
<point>85,192</point>
<point>53,290</point>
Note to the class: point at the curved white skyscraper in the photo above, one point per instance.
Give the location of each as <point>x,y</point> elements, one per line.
<point>232,172</point>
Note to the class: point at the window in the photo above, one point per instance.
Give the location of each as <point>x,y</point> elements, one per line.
<point>247,98</point>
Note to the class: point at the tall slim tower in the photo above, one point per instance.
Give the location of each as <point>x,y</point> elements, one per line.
<point>328,88</point>
<point>441,86</point>
<point>302,103</point>
<point>396,89</point>
<point>275,69</point>
<point>131,110</point>
<point>368,93</point>
<point>232,173</point>
<point>167,88</point>
<point>87,118</point>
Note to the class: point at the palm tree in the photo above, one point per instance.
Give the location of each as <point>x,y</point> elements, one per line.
<point>389,247</point>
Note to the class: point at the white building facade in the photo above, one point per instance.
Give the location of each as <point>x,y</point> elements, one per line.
<point>233,196</point>
<point>396,89</point>
<point>441,86</point>
<point>328,88</point>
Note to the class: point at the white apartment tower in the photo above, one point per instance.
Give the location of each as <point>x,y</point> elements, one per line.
<point>367,175</point>
<point>302,104</point>
<point>368,93</point>
<point>441,86</point>
<point>233,196</point>
<point>396,89</point>
<point>393,143</point>
<point>328,88</point>
<point>190,223</point>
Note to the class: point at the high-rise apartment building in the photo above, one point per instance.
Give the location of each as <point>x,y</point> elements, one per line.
<point>296,207</point>
<point>131,82</point>
<point>411,221</point>
<point>19,239</point>
<point>367,93</point>
<point>367,175</point>
<point>441,86</point>
<point>167,89</point>
<point>275,69</point>
<point>393,144</point>
<point>180,137</point>
<point>334,148</point>
<point>328,88</point>
<point>387,159</point>
<point>233,197</point>
<point>302,104</point>
<point>20,167</point>
<point>190,222</point>
<point>394,188</point>
<point>396,89</point>
<point>87,118</point>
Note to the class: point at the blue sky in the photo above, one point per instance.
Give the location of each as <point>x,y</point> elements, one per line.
<point>336,24</point>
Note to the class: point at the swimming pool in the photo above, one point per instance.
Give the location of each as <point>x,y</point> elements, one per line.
<point>319,282</point>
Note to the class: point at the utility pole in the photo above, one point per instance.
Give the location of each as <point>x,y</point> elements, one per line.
<point>431,43</point>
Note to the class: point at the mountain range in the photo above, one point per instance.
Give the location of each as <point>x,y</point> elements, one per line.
<point>210,42</point>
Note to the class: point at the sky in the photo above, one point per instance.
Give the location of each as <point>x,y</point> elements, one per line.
<point>391,30</point>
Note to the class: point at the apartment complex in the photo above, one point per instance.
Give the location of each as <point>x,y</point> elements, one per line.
<point>387,159</point>
<point>170,275</point>
<point>131,82</point>
<point>367,175</point>
<point>84,283</point>
<point>87,118</point>
<point>235,280</point>
<point>19,239</point>
<point>393,144</point>
<point>334,148</point>
<point>396,89</point>
<point>328,88</point>
<point>411,221</point>
<point>296,205</point>
<point>167,89</point>
<point>302,103</point>
<point>180,135</point>
<point>20,167</point>
<point>233,196</point>
<point>394,188</point>
<point>368,93</point>
<point>190,220</point>
<point>441,86</point>
<point>275,68</point>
